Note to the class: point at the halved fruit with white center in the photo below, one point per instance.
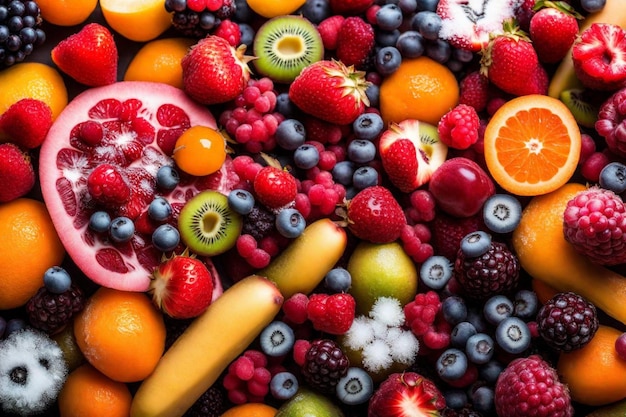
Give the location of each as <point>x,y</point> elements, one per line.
<point>133,126</point>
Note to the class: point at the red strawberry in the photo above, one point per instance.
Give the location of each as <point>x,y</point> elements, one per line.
<point>350,7</point>
<point>553,29</point>
<point>410,152</point>
<point>474,90</point>
<point>330,91</point>
<point>406,394</point>
<point>599,56</point>
<point>355,41</point>
<point>89,56</point>
<point>274,187</point>
<point>375,215</point>
<point>182,286</point>
<point>16,172</point>
<point>329,31</point>
<point>26,123</point>
<point>214,72</point>
<point>107,186</point>
<point>331,313</point>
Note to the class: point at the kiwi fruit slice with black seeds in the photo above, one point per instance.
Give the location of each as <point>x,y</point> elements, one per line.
<point>581,105</point>
<point>207,225</point>
<point>284,45</point>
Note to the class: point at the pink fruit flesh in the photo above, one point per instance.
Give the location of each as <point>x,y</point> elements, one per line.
<point>140,122</point>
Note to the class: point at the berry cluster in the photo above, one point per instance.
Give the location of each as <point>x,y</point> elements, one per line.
<point>247,378</point>
<point>20,31</point>
<point>198,18</point>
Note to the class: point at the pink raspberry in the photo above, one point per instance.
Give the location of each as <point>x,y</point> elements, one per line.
<point>329,31</point>
<point>107,186</point>
<point>459,127</point>
<point>295,308</point>
<point>332,314</point>
<point>610,123</point>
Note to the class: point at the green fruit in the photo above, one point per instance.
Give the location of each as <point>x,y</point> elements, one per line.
<point>381,270</point>
<point>207,225</point>
<point>307,403</point>
<point>71,352</point>
<point>617,409</point>
<point>284,45</point>
<point>581,106</point>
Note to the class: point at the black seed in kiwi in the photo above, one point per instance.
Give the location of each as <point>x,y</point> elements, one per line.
<point>581,107</point>
<point>284,45</point>
<point>207,225</point>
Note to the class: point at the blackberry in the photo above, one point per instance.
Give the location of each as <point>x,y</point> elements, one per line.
<point>190,18</point>
<point>467,411</point>
<point>20,31</point>
<point>494,272</point>
<point>212,403</point>
<point>324,365</point>
<point>259,223</point>
<point>567,321</point>
<point>50,312</point>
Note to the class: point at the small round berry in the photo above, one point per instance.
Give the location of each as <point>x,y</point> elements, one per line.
<point>361,151</point>
<point>368,126</point>
<point>100,221</point>
<point>526,304</point>
<point>165,237</point>
<point>14,325</point>
<point>491,370</point>
<point>356,387</point>
<point>592,6</point>
<point>290,134</point>
<point>482,399</point>
<point>427,23</point>
<point>364,177</point>
<point>277,339</point>
<point>497,308</point>
<point>613,177</point>
<point>57,280</point>
<point>200,150</point>
<point>411,44</point>
<point>475,243</point>
<point>620,346</point>
<point>284,385</point>
<point>513,335</point>
<point>122,229</point>
<point>479,348</point>
<point>456,398</point>
<point>338,280</point>
<point>343,172</point>
<point>389,17</point>
<point>167,178</point>
<point>290,223</point>
<point>159,209</point>
<point>452,364</point>
<point>502,213</point>
<point>436,271</point>
<point>306,156</point>
<point>241,201</point>
<point>454,310</point>
<point>461,333</point>
<point>387,60</point>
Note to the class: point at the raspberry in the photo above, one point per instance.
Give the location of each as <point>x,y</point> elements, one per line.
<point>458,128</point>
<point>610,123</point>
<point>295,308</point>
<point>332,314</point>
<point>594,222</point>
<point>324,365</point>
<point>247,378</point>
<point>107,186</point>
<point>229,30</point>
<point>474,91</point>
<point>329,31</point>
<point>530,386</point>
<point>448,231</point>
<point>421,312</point>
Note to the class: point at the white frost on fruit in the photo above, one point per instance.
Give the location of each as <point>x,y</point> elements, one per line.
<point>377,356</point>
<point>360,333</point>
<point>404,346</point>
<point>387,310</point>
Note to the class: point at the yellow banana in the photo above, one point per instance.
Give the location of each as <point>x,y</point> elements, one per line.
<point>207,347</point>
<point>564,77</point>
<point>305,262</point>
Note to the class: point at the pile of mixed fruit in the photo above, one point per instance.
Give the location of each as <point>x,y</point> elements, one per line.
<point>336,207</point>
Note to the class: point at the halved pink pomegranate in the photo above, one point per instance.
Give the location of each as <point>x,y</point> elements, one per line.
<point>133,126</point>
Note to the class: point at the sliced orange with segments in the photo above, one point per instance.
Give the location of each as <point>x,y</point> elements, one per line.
<point>532,145</point>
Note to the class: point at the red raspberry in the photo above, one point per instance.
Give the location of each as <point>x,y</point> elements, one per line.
<point>458,128</point>
<point>274,187</point>
<point>355,41</point>
<point>329,31</point>
<point>594,222</point>
<point>331,313</point>
<point>421,312</point>
<point>530,386</point>
<point>229,30</point>
<point>447,232</point>
<point>610,124</point>
<point>107,186</point>
<point>295,308</point>
<point>474,90</point>
<point>16,172</point>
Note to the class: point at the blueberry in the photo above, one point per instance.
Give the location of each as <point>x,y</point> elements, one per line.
<point>207,20</point>
<point>475,243</point>
<point>479,348</point>
<point>167,177</point>
<point>411,44</point>
<point>338,280</point>
<point>285,106</point>
<point>407,6</point>
<point>439,50</point>
<point>343,172</point>
<point>513,335</point>
<point>13,325</point>
<point>373,94</point>
<point>454,309</point>
<point>306,156</point>
<point>290,134</point>
<point>490,371</point>
<point>57,280</point>
<point>592,6</point>
<point>430,5</point>
<point>386,37</point>
<point>436,271</point>
<point>165,237</point>
<point>315,10</point>
<point>427,23</point>
<point>462,55</point>
<point>361,151</point>
<point>175,5</point>
<point>355,387</point>
<point>502,213</point>
<point>368,126</point>
<point>389,17</point>
<point>100,221</point>
<point>497,308</point>
<point>456,398</point>
<point>475,316</point>
<point>387,60</point>
<point>364,177</point>
<point>243,12</point>
<point>241,201</point>
<point>247,34</point>
<point>526,304</point>
<point>482,399</point>
<point>451,364</point>
<point>277,339</point>
<point>460,333</point>
<point>159,209</point>
<point>284,385</point>
<point>122,229</point>
<point>290,223</point>
<point>613,177</point>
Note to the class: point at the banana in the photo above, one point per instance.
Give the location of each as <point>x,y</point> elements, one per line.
<point>305,262</point>
<point>564,77</point>
<point>207,347</point>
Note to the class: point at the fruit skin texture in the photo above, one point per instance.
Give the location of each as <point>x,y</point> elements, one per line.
<point>523,382</point>
<point>139,21</point>
<point>16,173</point>
<point>182,286</point>
<point>375,215</point>
<point>355,41</point>
<point>186,370</point>
<point>274,187</point>
<point>330,91</point>
<point>404,394</point>
<point>26,123</point>
<point>89,56</point>
<point>553,30</point>
<point>308,402</point>
<point>214,72</point>
<point>331,314</point>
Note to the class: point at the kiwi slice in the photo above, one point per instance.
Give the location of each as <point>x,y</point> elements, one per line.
<point>207,225</point>
<point>582,108</point>
<point>284,45</point>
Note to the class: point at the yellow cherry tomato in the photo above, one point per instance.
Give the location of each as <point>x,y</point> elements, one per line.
<point>200,151</point>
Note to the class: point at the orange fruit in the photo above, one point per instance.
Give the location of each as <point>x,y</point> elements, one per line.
<point>33,80</point>
<point>544,291</point>
<point>251,410</point>
<point>137,20</point>
<point>29,246</point>
<point>273,8</point>
<point>595,374</point>
<point>532,145</point>
<point>89,393</point>
<point>66,12</point>
<point>200,150</point>
<point>421,89</point>
<point>121,333</point>
<point>159,61</point>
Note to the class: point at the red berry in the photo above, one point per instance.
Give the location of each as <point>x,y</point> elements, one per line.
<point>375,215</point>
<point>274,187</point>
<point>331,313</point>
<point>107,186</point>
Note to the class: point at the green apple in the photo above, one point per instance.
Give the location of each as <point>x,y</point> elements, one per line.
<point>381,270</point>
<point>307,403</point>
<point>617,409</point>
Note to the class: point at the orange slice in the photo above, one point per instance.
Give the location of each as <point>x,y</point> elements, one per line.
<point>532,145</point>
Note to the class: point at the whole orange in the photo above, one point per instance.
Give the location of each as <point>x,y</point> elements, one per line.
<point>66,12</point>
<point>29,245</point>
<point>421,88</point>
<point>251,410</point>
<point>121,333</point>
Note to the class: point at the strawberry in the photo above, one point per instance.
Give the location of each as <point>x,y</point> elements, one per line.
<point>182,286</point>
<point>350,7</point>
<point>332,314</point>
<point>599,56</point>
<point>16,172</point>
<point>553,29</point>
<point>26,123</point>
<point>329,31</point>
<point>90,56</point>
<point>406,394</point>
<point>355,41</point>
<point>107,186</point>
<point>474,90</point>
<point>330,91</point>
<point>274,187</point>
<point>375,215</point>
<point>215,72</point>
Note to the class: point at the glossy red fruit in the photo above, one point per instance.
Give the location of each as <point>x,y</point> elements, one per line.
<point>405,394</point>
